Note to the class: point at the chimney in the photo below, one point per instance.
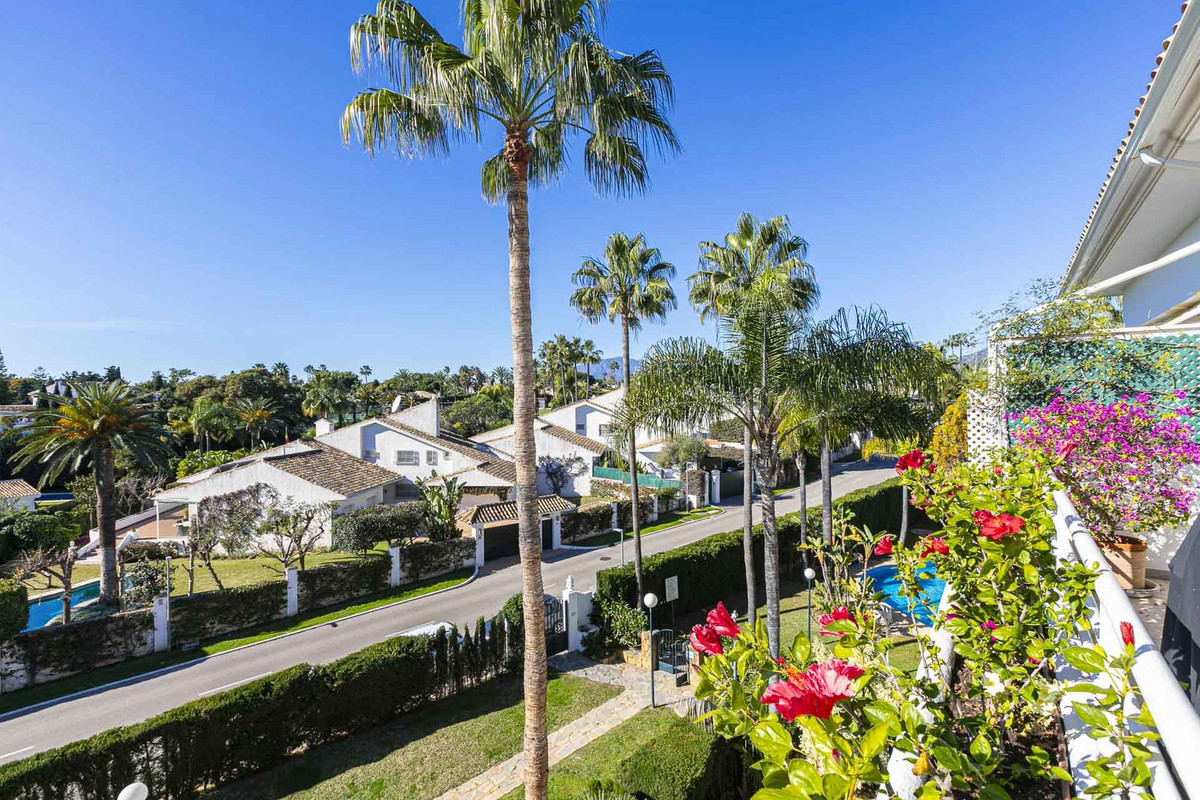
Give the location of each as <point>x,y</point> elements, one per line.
<point>324,426</point>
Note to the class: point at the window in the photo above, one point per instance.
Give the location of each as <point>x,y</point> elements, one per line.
<point>407,458</point>
<point>581,429</point>
<point>371,455</point>
<point>431,458</point>
<point>605,430</point>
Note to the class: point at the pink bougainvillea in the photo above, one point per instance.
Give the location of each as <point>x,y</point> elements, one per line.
<point>1121,462</point>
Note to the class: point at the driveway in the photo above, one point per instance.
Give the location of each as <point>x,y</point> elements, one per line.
<point>79,718</point>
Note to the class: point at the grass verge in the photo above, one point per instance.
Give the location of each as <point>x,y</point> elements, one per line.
<point>425,754</point>
<point>667,520</point>
<point>11,701</point>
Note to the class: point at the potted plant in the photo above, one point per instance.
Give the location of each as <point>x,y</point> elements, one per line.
<point>1123,465</point>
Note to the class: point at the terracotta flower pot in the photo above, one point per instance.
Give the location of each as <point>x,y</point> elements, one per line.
<point>1127,557</point>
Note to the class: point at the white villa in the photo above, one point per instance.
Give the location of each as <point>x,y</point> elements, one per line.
<point>16,493</point>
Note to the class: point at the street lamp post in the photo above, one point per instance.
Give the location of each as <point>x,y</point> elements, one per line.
<point>809,574</point>
<point>651,600</point>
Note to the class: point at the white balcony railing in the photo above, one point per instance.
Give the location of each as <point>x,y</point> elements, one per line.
<point>1177,770</point>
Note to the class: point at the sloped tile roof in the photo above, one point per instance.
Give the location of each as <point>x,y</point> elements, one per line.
<point>332,469</point>
<point>1137,112</point>
<point>15,488</point>
<point>446,441</point>
<point>504,470</point>
<point>507,511</point>
<point>577,439</point>
<point>18,408</point>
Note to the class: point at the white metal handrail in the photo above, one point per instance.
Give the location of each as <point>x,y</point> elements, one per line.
<point>1175,719</point>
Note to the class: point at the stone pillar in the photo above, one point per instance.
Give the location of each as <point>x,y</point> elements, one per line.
<point>162,623</point>
<point>556,530</point>
<point>579,615</point>
<point>616,518</point>
<point>714,489</point>
<point>478,531</point>
<point>394,576</point>
<point>654,507</point>
<point>293,591</point>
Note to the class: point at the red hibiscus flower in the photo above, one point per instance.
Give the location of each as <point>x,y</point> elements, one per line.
<point>720,621</point>
<point>997,526</point>
<point>914,459</point>
<point>705,640</point>
<point>885,546</point>
<point>934,544</point>
<point>814,692</point>
<point>1067,448</point>
<point>1127,633</point>
<point>837,615</point>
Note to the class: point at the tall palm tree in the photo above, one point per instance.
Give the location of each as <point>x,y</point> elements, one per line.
<point>591,356</point>
<point>539,72</point>
<point>209,419</point>
<point>89,428</point>
<point>758,267</point>
<point>321,397</point>
<point>631,285</point>
<point>256,415</point>
<point>856,373</point>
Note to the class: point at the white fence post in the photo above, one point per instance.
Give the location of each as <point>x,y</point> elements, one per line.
<point>162,623</point>
<point>579,614</point>
<point>556,530</point>
<point>654,507</point>
<point>394,577</point>
<point>616,518</point>
<point>478,530</point>
<point>714,489</point>
<point>293,591</point>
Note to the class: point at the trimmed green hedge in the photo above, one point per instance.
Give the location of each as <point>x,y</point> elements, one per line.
<point>60,650</point>
<point>712,568</point>
<point>229,736</point>
<point>330,584</point>
<point>14,608</point>
<point>688,764</point>
<point>203,616</point>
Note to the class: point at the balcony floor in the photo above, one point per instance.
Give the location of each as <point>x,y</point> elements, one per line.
<point>1152,609</point>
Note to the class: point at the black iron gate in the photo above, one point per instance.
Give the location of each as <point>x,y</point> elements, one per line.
<point>556,626</point>
<point>672,651</point>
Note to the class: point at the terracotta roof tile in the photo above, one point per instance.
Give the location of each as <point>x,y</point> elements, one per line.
<point>16,488</point>
<point>332,469</point>
<point>577,439</point>
<point>507,510</point>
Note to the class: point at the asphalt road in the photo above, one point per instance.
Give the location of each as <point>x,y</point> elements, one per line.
<point>70,720</point>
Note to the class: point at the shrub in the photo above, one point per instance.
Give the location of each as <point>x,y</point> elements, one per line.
<point>203,616</point>
<point>625,623</point>
<point>59,650</point>
<point>147,580</point>
<point>229,736</point>
<point>14,608</point>
<point>425,559</point>
<point>949,443</point>
<point>688,763</point>
<point>361,530</point>
<point>330,584</point>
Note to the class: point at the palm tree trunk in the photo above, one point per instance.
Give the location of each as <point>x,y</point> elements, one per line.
<point>768,469</point>
<point>107,522</point>
<point>537,757</point>
<point>826,490</point>
<point>748,525</point>
<point>801,466</point>
<point>633,484</point>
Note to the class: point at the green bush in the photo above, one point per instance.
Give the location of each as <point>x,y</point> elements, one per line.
<point>688,763</point>
<point>59,650</point>
<point>359,531</point>
<point>14,608</point>
<point>229,736</point>
<point>626,623</point>
<point>330,584</point>
<point>203,616</point>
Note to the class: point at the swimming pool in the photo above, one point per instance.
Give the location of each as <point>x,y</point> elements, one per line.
<point>49,606</point>
<point>932,587</point>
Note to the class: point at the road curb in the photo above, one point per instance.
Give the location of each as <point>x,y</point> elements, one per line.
<point>20,712</point>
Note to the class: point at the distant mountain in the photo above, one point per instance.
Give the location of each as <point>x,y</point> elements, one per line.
<point>612,366</point>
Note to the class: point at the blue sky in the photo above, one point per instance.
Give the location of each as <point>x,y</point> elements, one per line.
<point>174,190</point>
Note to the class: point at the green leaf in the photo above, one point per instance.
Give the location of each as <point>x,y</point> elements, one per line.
<point>772,740</point>
<point>1084,659</point>
<point>834,785</point>
<point>801,649</point>
<point>1091,715</point>
<point>804,774</point>
<point>993,792</point>
<point>874,740</point>
<point>786,793</point>
<point>981,749</point>
<point>1061,774</point>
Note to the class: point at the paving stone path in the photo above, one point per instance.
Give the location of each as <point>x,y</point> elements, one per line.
<point>508,775</point>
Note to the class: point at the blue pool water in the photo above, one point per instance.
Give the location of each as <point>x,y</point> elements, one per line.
<point>932,587</point>
<point>49,606</point>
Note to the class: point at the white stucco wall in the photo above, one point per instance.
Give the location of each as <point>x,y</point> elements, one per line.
<point>1152,294</point>
<point>370,438</point>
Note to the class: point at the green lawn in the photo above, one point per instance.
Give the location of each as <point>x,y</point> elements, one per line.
<point>126,669</point>
<point>601,760</point>
<point>233,572</point>
<point>426,753</point>
<point>668,520</point>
